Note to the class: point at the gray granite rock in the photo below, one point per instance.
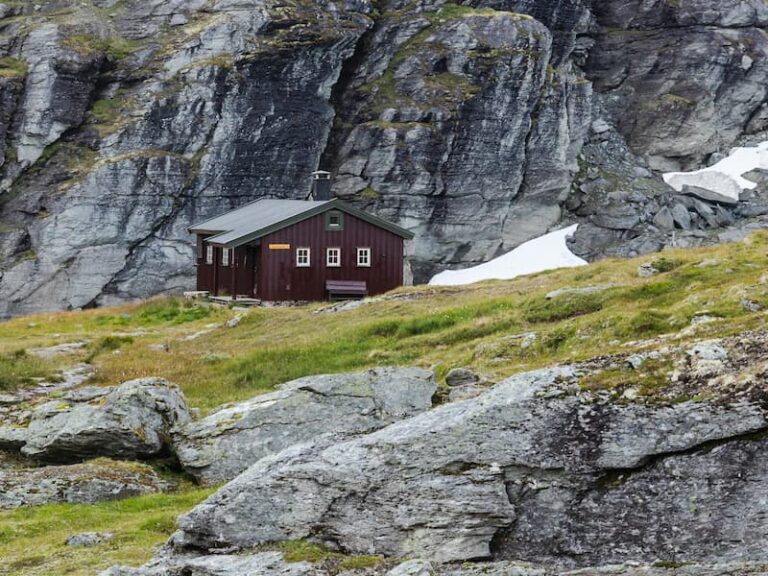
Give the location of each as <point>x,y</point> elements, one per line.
<point>220,446</point>
<point>89,539</point>
<point>497,468</point>
<point>413,568</point>
<point>272,564</point>
<point>681,216</point>
<point>134,420</point>
<point>461,377</point>
<point>88,483</point>
<point>262,564</point>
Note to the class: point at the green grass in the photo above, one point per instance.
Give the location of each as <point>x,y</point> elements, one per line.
<point>486,327</point>
<point>445,327</point>
<point>19,368</point>
<point>562,307</point>
<point>12,67</point>
<point>159,311</point>
<point>304,551</point>
<point>652,375</point>
<point>32,539</point>
<point>88,45</point>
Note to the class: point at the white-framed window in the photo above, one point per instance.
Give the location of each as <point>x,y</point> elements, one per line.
<point>333,257</point>
<point>363,257</point>
<point>209,254</point>
<point>302,257</point>
<point>225,254</point>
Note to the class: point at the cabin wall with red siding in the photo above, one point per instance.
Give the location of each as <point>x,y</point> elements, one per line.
<point>280,279</point>
<point>237,276</point>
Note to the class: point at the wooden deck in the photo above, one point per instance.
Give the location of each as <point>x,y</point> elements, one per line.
<point>240,300</point>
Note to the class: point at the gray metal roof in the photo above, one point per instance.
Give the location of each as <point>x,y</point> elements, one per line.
<point>262,217</point>
<point>251,218</point>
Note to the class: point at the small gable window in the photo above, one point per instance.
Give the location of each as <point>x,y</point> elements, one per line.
<point>334,220</point>
<point>302,257</point>
<point>363,257</point>
<point>333,257</point>
<point>225,256</point>
<point>209,254</point>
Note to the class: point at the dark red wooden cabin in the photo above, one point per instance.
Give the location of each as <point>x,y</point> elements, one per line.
<point>290,250</point>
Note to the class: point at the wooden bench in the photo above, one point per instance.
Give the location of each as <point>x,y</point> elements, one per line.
<point>343,289</point>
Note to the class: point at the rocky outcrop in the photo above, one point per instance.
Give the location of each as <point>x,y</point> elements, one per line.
<point>686,117</point>
<point>539,468</point>
<point>133,420</point>
<point>423,111</point>
<point>273,564</point>
<point>192,108</point>
<point>96,481</point>
<point>264,564</point>
<point>477,126</point>
<point>220,446</point>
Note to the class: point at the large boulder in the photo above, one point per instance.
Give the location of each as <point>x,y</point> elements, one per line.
<point>97,481</point>
<point>261,564</point>
<point>534,469</point>
<point>133,420</point>
<point>219,447</point>
<point>273,564</point>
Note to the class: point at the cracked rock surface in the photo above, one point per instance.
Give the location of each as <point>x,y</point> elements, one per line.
<point>220,446</point>
<point>484,477</point>
<point>96,481</point>
<point>273,564</point>
<point>133,420</point>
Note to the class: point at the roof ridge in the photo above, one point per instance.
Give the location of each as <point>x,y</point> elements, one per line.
<point>238,229</point>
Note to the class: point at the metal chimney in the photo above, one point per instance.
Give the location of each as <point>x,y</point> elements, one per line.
<point>321,185</point>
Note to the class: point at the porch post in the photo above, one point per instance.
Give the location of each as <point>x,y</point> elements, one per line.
<point>216,252</point>
<point>233,262</point>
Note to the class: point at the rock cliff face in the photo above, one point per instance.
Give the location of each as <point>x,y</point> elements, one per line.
<point>479,126</point>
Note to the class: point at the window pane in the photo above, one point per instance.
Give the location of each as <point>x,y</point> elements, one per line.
<point>333,257</point>
<point>302,257</point>
<point>363,256</point>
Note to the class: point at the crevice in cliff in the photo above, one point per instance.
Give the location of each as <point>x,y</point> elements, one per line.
<point>111,286</point>
<point>340,95</point>
<point>618,476</point>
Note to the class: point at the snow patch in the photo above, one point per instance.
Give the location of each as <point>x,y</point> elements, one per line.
<point>724,181</point>
<point>546,252</point>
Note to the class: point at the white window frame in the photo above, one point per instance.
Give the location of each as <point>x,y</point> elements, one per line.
<point>225,256</point>
<point>333,257</point>
<point>208,254</point>
<point>303,257</point>
<point>366,262</point>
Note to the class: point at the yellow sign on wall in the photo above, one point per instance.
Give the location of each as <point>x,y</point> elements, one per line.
<point>279,246</point>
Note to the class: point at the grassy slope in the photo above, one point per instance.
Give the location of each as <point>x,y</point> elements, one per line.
<point>32,540</point>
<point>442,328</point>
